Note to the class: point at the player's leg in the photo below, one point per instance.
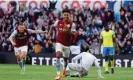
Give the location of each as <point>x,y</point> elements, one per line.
<point>19,61</point>
<point>106,64</point>
<point>105,55</point>
<point>111,57</point>
<point>64,67</point>
<point>112,63</point>
<point>65,62</point>
<point>24,50</point>
<point>66,53</point>
<point>58,48</point>
<point>98,68</point>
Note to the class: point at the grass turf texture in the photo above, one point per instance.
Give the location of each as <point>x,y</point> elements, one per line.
<point>12,72</point>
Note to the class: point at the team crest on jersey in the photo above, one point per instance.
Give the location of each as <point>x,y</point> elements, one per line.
<point>60,24</point>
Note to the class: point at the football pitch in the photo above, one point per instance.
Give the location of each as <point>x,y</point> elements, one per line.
<point>12,72</point>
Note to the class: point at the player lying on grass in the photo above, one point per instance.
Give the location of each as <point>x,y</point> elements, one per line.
<point>82,68</point>
<point>19,39</point>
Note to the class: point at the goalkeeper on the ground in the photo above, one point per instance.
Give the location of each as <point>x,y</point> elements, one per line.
<point>82,68</point>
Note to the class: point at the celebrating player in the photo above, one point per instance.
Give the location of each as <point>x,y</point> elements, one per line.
<point>86,61</point>
<point>108,40</point>
<point>19,39</point>
<point>65,30</point>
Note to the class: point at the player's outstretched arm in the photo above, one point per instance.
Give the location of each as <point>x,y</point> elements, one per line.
<point>37,31</point>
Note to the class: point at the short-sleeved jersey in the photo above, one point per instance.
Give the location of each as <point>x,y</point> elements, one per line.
<point>63,36</point>
<point>107,38</point>
<point>21,39</point>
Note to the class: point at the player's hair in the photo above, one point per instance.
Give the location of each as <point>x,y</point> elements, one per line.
<point>106,26</point>
<point>20,24</point>
<point>86,49</point>
<point>65,10</point>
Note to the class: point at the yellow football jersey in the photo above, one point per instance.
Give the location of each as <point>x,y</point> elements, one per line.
<point>107,38</point>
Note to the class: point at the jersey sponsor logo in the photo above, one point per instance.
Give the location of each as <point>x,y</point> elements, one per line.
<point>22,36</point>
<point>62,29</point>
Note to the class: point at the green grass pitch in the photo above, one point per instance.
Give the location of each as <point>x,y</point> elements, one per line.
<point>12,72</point>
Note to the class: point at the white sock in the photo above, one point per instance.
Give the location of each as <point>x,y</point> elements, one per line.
<point>63,65</point>
<point>67,68</point>
<point>58,73</point>
<point>99,71</point>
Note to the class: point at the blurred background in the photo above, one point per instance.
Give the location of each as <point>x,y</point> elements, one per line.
<point>89,17</point>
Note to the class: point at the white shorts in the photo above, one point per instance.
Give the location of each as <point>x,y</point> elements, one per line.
<point>18,50</point>
<point>64,49</point>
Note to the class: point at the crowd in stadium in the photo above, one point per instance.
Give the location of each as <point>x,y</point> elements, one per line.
<point>89,24</point>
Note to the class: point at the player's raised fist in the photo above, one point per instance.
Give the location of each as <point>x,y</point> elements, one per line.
<point>67,27</point>
<point>13,43</point>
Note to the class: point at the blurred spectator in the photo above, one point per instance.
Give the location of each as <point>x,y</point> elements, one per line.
<point>95,46</point>
<point>13,8</point>
<point>111,4</point>
<point>52,4</point>
<point>1,13</point>
<point>128,48</point>
<point>130,7</point>
<point>37,47</point>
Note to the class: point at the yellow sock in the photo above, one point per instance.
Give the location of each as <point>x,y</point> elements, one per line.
<point>106,66</point>
<point>112,64</point>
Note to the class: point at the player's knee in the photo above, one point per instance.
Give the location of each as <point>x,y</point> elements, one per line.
<point>24,54</point>
<point>18,57</point>
<point>70,65</point>
<point>58,55</point>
